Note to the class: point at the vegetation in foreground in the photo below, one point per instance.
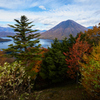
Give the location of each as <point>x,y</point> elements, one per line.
<point>59,68</point>
<point>66,91</point>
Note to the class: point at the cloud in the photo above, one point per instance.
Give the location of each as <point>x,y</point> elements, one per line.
<point>42,7</point>
<point>11,4</point>
<point>97,12</point>
<point>85,12</point>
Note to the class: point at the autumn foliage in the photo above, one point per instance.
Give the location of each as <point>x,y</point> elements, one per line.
<point>4,59</point>
<point>91,72</point>
<point>36,63</point>
<point>92,32</point>
<point>74,55</point>
<point>93,35</point>
<point>37,66</point>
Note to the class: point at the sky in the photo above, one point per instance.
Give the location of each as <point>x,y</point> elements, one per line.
<point>45,14</point>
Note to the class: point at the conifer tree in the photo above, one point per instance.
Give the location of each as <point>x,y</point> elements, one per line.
<point>53,67</point>
<point>24,48</point>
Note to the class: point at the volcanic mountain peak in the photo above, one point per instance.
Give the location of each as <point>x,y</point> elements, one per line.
<point>67,24</point>
<point>63,29</point>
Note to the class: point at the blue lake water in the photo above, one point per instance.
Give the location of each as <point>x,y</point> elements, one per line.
<point>44,43</point>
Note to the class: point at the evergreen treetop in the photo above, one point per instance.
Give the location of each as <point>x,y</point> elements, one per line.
<point>25,41</point>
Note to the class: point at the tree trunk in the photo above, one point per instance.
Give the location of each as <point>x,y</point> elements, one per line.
<point>77,78</point>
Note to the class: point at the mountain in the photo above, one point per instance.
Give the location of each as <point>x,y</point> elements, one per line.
<point>40,31</point>
<point>4,34</point>
<point>6,29</point>
<point>63,29</point>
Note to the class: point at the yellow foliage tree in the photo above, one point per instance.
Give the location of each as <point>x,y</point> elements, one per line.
<point>93,34</point>
<point>90,71</point>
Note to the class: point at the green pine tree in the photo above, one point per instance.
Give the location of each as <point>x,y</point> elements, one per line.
<point>53,68</point>
<point>25,46</point>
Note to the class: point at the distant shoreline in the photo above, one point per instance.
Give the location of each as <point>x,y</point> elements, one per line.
<point>5,40</point>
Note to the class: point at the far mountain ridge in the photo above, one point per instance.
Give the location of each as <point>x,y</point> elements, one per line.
<point>63,29</point>
<point>6,29</point>
<point>5,34</point>
<point>41,31</point>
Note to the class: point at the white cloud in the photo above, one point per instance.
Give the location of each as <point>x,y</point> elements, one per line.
<point>11,4</point>
<point>42,7</point>
<point>85,12</point>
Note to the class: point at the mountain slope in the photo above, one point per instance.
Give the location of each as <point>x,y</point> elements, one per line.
<point>6,29</point>
<point>63,29</point>
<point>4,34</point>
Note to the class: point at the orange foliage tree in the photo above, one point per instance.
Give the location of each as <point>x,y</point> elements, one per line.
<point>37,66</point>
<point>37,63</point>
<point>74,55</point>
<point>4,59</point>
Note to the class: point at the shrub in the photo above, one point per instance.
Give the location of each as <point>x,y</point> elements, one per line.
<point>91,72</point>
<point>4,59</point>
<point>13,80</point>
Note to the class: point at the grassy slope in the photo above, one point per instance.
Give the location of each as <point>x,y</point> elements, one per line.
<point>70,91</point>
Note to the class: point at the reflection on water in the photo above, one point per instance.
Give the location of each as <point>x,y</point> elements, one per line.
<point>44,43</point>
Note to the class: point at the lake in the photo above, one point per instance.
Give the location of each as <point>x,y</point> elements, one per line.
<point>44,43</point>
